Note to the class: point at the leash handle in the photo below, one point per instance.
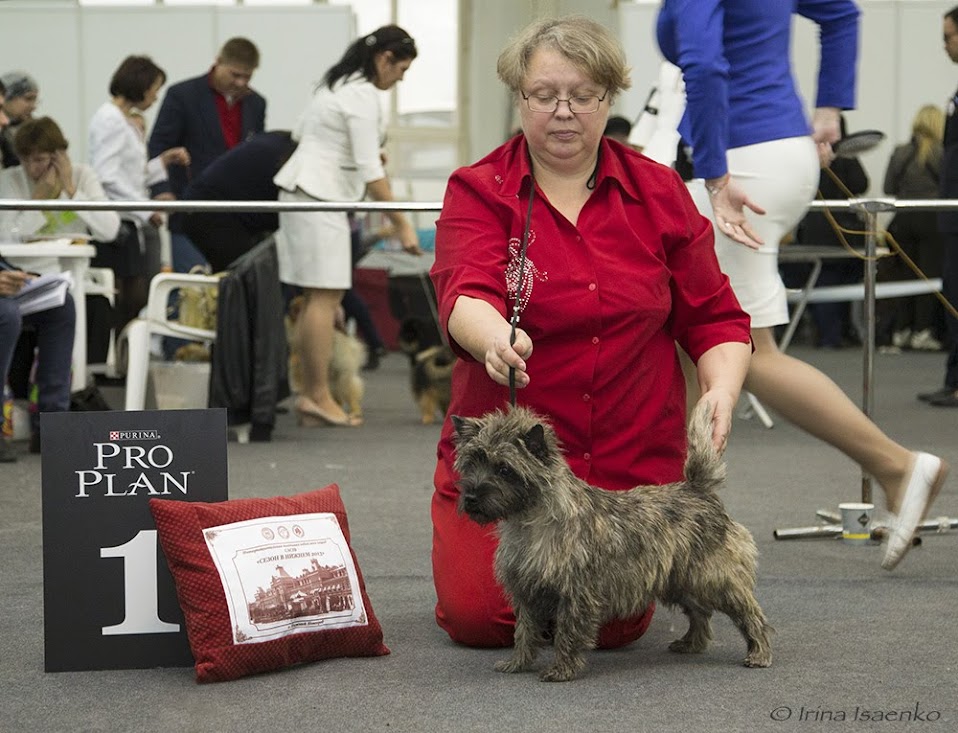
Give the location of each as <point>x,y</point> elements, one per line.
<point>514,321</point>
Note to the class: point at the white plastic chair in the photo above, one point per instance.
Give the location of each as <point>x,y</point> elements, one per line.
<point>157,321</point>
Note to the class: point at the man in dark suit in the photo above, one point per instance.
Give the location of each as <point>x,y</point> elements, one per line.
<point>207,115</point>
<point>244,173</point>
<point>948,226</point>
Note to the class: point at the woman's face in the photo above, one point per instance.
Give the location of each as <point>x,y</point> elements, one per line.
<point>21,108</point>
<point>561,136</point>
<point>36,164</point>
<point>388,70</point>
<point>149,97</point>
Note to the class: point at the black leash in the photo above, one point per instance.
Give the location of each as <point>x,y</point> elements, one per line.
<point>514,321</point>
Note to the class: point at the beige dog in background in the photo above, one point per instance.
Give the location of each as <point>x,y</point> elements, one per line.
<point>349,355</point>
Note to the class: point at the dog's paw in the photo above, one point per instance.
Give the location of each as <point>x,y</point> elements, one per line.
<point>559,673</point>
<point>512,666</point>
<point>684,646</point>
<point>759,659</point>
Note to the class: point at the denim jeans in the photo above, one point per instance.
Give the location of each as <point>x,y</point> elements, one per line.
<point>55,329</point>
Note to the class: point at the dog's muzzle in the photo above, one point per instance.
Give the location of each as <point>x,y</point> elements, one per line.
<point>472,504</point>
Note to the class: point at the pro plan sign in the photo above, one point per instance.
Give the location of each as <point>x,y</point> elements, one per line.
<point>109,598</point>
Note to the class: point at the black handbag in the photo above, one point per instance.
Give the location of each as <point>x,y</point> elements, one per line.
<point>88,399</point>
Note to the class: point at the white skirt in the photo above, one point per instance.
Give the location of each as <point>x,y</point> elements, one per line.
<point>782,177</point>
<point>313,247</point>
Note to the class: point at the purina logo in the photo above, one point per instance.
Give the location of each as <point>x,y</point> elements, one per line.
<point>116,435</point>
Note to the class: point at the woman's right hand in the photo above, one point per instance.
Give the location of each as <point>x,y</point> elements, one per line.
<point>175,156</point>
<point>12,281</point>
<point>500,356</point>
<point>728,205</point>
<point>409,238</point>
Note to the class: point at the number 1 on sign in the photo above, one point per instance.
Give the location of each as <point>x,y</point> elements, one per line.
<point>139,583</point>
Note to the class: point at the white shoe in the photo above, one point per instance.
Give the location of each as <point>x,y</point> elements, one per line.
<point>924,341</point>
<point>901,338</point>
<point>927,474</point>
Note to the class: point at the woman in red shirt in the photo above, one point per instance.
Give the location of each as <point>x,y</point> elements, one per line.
<point>619,267</point>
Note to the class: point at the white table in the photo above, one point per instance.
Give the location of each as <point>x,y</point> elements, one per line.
<point>73,258</point>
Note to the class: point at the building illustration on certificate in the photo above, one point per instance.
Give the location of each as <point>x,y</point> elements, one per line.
<point>286,575</point>
<point>311,591</point>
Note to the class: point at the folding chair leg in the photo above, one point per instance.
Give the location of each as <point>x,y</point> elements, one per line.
<point>757,408</point>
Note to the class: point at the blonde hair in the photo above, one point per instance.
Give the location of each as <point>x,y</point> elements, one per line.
<point>587,44</point>
<point>927,130</point>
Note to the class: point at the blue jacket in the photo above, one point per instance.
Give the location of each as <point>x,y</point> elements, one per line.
<point>735,58</point>
<point>188,118</point>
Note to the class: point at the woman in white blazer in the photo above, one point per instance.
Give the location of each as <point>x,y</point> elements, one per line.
<point>338,158</point>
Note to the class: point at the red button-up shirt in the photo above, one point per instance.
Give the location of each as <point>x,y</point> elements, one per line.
<point>230,116</point>
<point>603,302</point>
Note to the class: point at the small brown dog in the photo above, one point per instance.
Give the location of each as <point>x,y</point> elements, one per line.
<point>349,355</point>
<point>572,557</point>
<point>431,364</point>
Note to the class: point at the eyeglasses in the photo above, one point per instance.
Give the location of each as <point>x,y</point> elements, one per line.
<point>581,104</point>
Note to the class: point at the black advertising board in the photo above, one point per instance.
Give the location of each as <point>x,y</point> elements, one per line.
<point>108,597</point>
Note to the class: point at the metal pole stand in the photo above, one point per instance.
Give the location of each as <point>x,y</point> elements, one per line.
<point>833,529</point>
<point>869,208</point>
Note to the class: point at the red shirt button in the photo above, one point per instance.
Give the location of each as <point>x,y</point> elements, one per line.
<point>587,456</point>
<point>591,286</point>
<point>595,339</point>
<point>586,398</point>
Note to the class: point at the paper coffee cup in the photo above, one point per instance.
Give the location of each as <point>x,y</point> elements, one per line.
<point>856,522</point>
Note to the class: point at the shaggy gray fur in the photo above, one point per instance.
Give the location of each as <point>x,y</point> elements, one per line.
<point>572,556</point>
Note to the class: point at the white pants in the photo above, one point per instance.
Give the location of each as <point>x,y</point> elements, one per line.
<point>782,177</point>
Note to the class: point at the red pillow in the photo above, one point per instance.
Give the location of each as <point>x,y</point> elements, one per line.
<point>267,583</point>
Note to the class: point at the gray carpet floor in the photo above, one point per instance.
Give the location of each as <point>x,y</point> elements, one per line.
<point>853,642</point>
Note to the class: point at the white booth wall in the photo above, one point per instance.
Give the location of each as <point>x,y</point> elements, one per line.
<point>73,51</point>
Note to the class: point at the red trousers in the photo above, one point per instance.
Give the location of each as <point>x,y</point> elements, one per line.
<point>472,608</point>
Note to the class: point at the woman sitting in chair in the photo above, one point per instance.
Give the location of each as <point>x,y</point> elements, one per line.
<point>45,172</point>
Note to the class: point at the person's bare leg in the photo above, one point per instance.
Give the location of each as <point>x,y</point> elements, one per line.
<point>809,399</point>
<point>316,324</point>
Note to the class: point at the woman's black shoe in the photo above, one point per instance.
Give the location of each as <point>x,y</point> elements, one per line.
<point>375,356</point>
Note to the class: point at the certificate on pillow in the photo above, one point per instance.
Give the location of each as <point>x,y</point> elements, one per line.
<point>286,575</point>
<point>43,292</point>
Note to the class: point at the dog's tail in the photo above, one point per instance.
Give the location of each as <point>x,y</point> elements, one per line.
<point>436,362</point>
<point>704,467</point>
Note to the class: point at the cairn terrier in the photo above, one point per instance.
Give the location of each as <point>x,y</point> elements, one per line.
<point>572,557</point>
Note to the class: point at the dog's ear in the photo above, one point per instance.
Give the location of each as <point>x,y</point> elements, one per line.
<point>466,429</point>
<point>535,442</point>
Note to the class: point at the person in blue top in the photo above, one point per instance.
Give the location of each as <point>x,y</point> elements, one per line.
<point>753,148</point>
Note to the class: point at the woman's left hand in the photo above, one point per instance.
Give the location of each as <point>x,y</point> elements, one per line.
<point>722,406</point>
<point>728,205</point>
<point>826,129</point>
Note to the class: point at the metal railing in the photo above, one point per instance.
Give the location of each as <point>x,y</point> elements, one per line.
<point>175,206</point>
<point>869,208</point>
